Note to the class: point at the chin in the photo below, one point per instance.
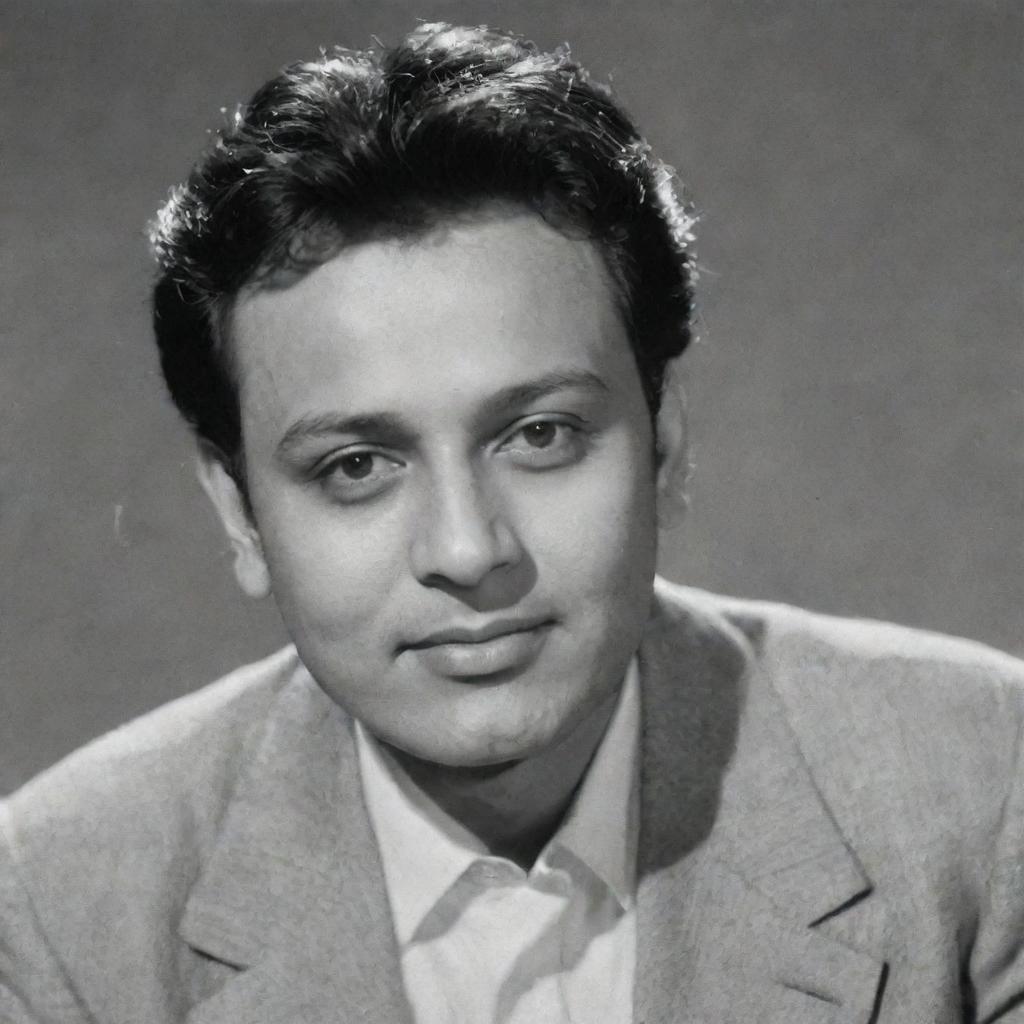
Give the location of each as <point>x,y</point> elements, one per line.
<point>453,738</point>
<point>527,736</point>
<point>461,763</point>
<point>492,756</point>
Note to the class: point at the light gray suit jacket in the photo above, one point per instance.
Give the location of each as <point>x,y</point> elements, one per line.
<point>832,833</point>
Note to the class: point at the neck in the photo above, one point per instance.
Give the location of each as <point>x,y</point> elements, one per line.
<point>514,808</point>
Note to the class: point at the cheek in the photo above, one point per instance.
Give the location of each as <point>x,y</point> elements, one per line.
<point>601,532</point>
<point>331,576</point>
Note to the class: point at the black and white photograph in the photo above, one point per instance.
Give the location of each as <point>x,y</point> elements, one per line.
<point>512,512</point>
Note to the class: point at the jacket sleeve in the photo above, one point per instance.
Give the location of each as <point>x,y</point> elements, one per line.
<point>33,986</point>
<point>997,961</point>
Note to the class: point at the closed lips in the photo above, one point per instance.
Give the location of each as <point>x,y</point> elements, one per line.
<point>479,634</point>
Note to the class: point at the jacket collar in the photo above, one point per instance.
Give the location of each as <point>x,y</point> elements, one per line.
<point>294,891</point>
<point>738,858</point>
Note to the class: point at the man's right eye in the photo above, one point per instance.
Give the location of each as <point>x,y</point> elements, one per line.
<point>355,476</point>
<point>358,466</point>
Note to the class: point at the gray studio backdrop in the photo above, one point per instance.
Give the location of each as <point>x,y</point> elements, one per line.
<point>855,400</point>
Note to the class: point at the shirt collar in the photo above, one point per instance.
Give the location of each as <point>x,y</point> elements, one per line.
<point>424,851</point>
<point>602,825</point>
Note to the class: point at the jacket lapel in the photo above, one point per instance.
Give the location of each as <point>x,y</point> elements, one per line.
<point>293,893</point>
<point>739,859</point>
<point>739,862</point>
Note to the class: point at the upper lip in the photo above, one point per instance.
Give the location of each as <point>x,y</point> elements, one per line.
<point>478,634</point>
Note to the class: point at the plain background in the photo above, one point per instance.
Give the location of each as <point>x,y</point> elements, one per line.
<point>856,399</point>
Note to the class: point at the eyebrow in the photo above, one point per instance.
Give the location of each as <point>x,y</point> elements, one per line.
<point>392,429</point>
<point>517,395</point>
<point>387,428</point>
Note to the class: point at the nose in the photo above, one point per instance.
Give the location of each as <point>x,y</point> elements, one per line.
<point>461,533</point>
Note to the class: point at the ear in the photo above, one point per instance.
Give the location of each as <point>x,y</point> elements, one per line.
<point>233,512</point>
<point>673,465</point>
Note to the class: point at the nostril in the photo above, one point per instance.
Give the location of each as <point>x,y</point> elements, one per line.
<point>465,556</point>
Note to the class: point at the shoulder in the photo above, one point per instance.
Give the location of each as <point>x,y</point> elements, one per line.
<point>874,682</point>
<point>906,733</point>
<point>168,772</point>
<point>810,656</point>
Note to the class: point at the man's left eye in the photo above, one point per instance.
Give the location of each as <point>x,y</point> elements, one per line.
<point>544,443</point>
<point>541,435</point>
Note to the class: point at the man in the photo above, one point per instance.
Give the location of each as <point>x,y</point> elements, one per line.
<point>419,307</point>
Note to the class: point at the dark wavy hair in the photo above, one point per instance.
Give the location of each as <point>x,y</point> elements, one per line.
<point>366,144</point>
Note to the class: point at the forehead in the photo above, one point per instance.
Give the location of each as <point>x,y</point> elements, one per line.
<point>469,307</point>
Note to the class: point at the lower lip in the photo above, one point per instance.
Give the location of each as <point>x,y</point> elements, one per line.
<point>489,657</point>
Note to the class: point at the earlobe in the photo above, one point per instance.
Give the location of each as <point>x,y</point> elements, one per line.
<point>233,512</point>
<point>673,466</point>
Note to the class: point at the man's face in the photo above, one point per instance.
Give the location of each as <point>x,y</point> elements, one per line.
<point>451,474</point>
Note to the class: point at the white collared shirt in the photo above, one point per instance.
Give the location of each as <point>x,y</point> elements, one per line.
<point>484,942</point>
